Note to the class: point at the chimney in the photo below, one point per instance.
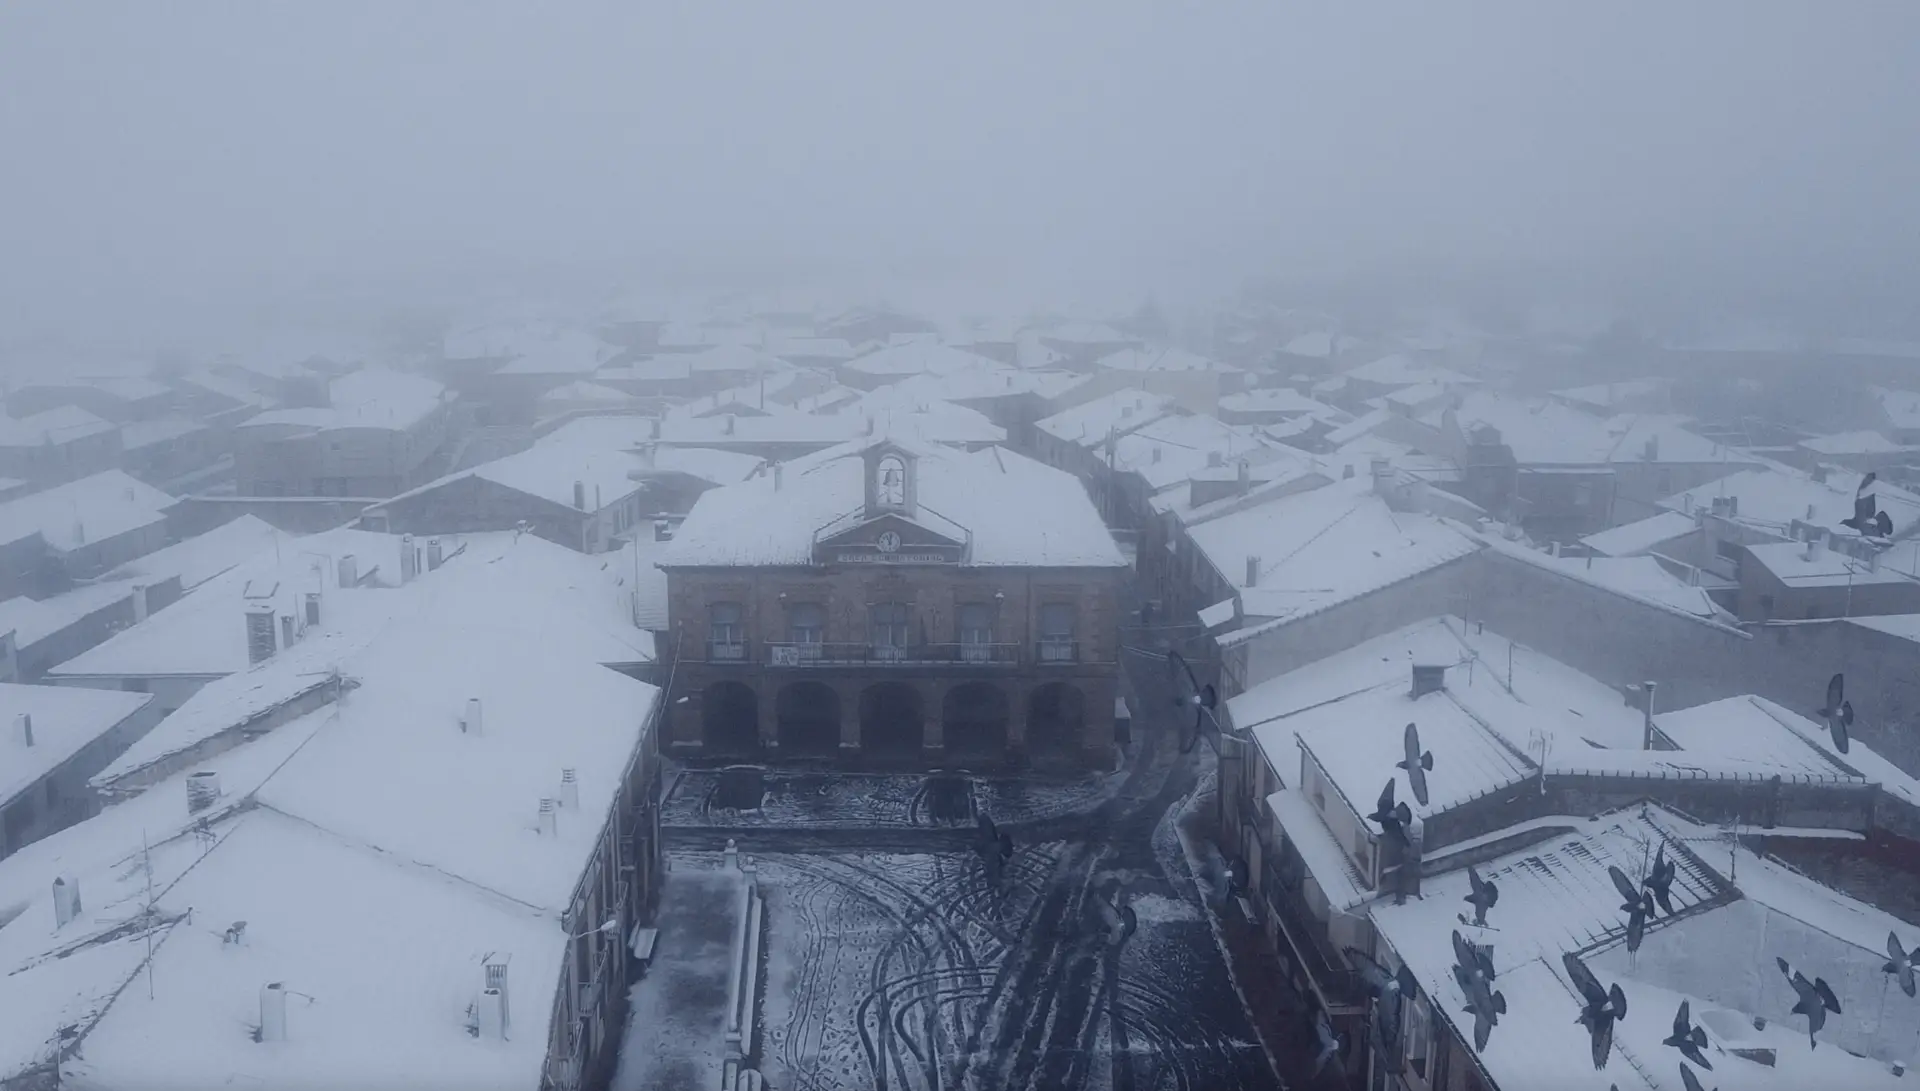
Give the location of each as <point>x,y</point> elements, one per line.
<point>549,821</point>
<point>434,554</point>
<point>273,1012</point>
<point>777,475</point>
<point>409,560</point>
<point>1553,549</point>
<point>494,969</point>
<point>1347,474</point>
<point>349,571</point>
<point>580,495</point>
<point>286,630</point>
<point>313,608</point>
<point>649,453</point>
<point>1243,477</point>
<point>79,532</point>
<point>663,530</point>
<point>1215,460</point>
<point>1819,477</point>
<point>493,1014</point>
<point>25,728</point>
<point>139,603</point>
<point>1813,546</point>
<point>1651,452</point>
<point>1428,678</point>
<point>1155,456</point>
<point>202,789</point>
<point>260,638</point>
<point>569,790</point>
<point>471,723</point>
<point>729,428</point>
<point>1733,507</point>
<point>66,901</point>
<point>1253,571</point>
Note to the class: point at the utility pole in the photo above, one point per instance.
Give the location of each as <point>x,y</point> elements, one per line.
<point>1646,735</point>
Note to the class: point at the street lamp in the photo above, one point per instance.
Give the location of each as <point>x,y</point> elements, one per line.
<point>612,925</point>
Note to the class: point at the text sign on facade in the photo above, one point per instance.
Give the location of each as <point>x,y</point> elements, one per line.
<point>891,558</point>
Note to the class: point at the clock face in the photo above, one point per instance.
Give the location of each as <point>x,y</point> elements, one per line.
<point>888,542</point>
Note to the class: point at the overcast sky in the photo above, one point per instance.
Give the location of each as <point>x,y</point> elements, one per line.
<point>155,157</point>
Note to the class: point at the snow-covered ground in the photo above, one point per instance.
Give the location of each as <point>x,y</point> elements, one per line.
<point>823,801</point>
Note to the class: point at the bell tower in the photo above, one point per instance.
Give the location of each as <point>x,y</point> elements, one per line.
<point>891,484</point>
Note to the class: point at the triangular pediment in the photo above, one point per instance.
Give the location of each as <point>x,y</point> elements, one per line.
<point>890,538</point>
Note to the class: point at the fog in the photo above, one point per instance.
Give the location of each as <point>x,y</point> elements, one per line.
<point>167,165</point>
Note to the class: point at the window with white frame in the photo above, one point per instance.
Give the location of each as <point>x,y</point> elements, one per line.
<point>726,630</point>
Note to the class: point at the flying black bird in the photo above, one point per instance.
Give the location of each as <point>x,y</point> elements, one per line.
<point>1816,999</point>
<point>1393,818</point>
<point>1838,712</point>
<point>1390,990</point>
<point>1599,1008</point>
<point>1901,963</point>
<point>1483,897</point>
<point>1486,1006</point>
<point>1868,519</point>
<point>1471,958</point>
<point>1328,1043</point>
<point>1190,695</point>
<point>1692,1081</point>
<point>1688,1037</point>
<point>1416,763</point>
<point>1638,906</point>
<point>1659,881</point>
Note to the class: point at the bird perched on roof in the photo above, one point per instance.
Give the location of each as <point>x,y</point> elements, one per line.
<point>1483,896</point>
<point>1416,763</point>
<point>1901,963</point>
<point>1659,881</point>
<point>1688,1037</point>
<point>1599,1008</point>
<point>1691,1081</point>
<point>1838,712</point>
<point>1393,818</point>
<point>1867,518</point>
<point>1816,999</point>
<point>1638,906</point>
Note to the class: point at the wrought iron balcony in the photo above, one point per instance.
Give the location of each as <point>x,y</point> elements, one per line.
<point>727,651</point>
<point>1056,650</point>
<point>818,654</point>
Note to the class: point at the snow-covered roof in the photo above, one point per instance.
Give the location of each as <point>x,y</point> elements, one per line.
<point>1902,407</point>
<point>204,634</point>
<point>372,397</point>
<point>1013,510</point>
<point>202,557</point>
<point>1326,859</point>
<point>1544,693</point>
<point>34,620</point>
<point>1086,333</point>
<point>92,509</point>
<point>1359,427</point>
<point>1319,548</point>
<point>1278,399</point>
<point>1773,497</point>
<point>990,382</point>
<point>569,601</point>
<point>735,357</point>
<point>1606,396</point>
<point>61,424</point>
<point>228,387</point>
<point>1089,423</point>
<point>811,347</point>
<point>1632,539</point>
<point>550,472</point>
<point>65,719</point>
<point>1854,443</point>
<point>585,391</point>
<point>1758,729</point>
<point>145,433</point>
<point>1173,449</point>
<point>1550,433</point>
<point>1319,345</point>
<point>1635,577</point>
<point>920,358</point>
<point>651,369</point>
<point>567,352</point>
<point>1161,359</point>
<point>1401,370</point>
<point>941,425</point>
<point>1788,562</point>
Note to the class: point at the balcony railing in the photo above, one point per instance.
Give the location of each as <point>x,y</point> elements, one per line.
<point>1056,650</point>
<point>817,654</point>
<point>727,651</point>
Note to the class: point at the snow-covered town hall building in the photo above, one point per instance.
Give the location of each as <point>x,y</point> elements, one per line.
<point>896,601</point>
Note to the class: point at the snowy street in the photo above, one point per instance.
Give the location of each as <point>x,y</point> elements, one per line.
<point>892,961</point>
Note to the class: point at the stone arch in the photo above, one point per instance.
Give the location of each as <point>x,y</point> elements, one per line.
<point>808,719</point>
<point>729,719</point>
<point>974,718</point>
<point>1056,720</point>
<point>891,719</point>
